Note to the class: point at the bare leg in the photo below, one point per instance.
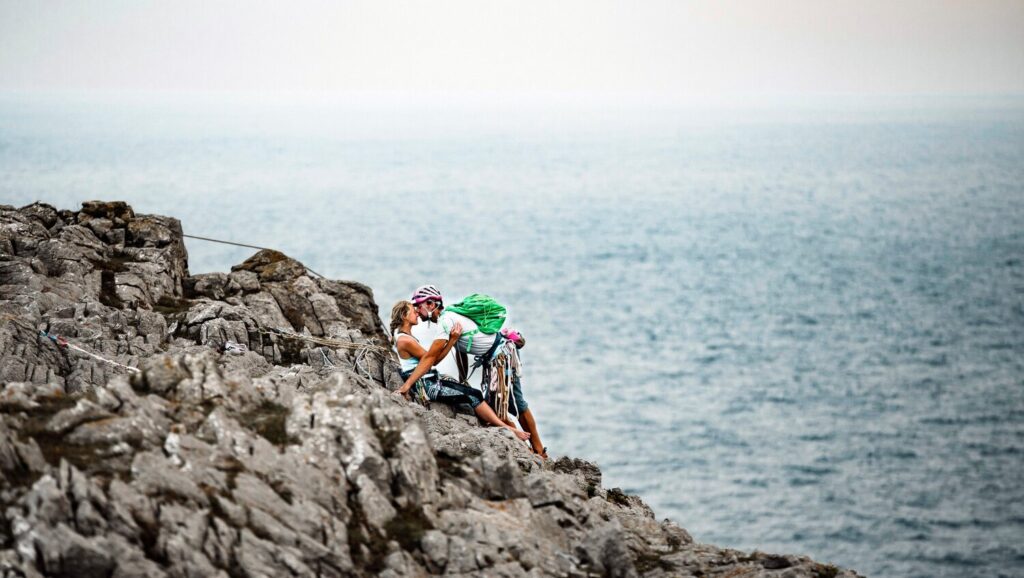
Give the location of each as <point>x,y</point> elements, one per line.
<point>484,412</point>
<point>529,424</point>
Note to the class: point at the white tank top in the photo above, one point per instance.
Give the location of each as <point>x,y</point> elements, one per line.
<point>406,365</point>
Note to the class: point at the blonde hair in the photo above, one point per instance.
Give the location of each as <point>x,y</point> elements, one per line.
<point>398,314</point>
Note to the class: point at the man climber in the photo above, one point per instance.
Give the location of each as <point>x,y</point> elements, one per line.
<point>440,324</point>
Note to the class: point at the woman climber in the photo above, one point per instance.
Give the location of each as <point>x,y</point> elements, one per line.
<point>496,352</point>
<point>430,384</point>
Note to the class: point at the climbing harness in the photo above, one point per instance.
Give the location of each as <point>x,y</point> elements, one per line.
<point>429,379</point>
<point>485,358</point>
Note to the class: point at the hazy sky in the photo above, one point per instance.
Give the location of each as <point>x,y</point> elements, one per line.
<point>676,48</point>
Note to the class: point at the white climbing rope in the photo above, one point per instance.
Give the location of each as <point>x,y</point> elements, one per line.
<point>327,361</point>
<point>334,343</point>
<point>62,342</point>
<point>99,357</point>
<point>361,349</point>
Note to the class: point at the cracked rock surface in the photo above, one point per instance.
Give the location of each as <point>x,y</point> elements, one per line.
<point>237,449</point>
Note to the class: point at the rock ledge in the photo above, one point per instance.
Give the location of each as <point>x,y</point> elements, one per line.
<point>237,449</point>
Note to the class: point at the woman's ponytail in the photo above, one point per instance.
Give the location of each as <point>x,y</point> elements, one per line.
<point>398,314</point>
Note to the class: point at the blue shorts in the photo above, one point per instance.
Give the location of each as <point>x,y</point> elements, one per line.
<point>517,395</point>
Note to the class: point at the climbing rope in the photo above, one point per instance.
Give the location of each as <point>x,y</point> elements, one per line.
<point>334,343</point>
<point>361,349</point>
<point>366,371</point>
<point>327,361</point>
<point>244,245</point>
<point>62,343</point>
<point>498,377</point>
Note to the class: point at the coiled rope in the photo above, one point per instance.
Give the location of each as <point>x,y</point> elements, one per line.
<point>498,377</point>
<point>361,349</point>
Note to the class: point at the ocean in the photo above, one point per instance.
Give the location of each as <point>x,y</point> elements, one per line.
<point>796,329</point>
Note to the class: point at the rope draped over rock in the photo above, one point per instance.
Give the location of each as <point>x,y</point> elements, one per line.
<point>309,474</point>
<point>62,343</point>
<point>361,349</point>
<point>335,343</point>
<point>243,245</point>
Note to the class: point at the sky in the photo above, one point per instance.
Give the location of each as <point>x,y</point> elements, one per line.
<point>676,49</point>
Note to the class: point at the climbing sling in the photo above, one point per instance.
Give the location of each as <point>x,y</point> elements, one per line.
<point>499,376</point>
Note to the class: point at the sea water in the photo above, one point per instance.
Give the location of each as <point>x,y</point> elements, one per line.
<point>799,331</point>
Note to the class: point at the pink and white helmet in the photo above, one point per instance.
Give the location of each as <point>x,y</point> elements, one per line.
<point>426,293</point>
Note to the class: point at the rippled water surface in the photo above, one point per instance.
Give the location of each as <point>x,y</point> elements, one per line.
<point>791,332</point>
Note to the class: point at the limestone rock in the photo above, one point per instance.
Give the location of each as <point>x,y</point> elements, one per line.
<point>254,432</point>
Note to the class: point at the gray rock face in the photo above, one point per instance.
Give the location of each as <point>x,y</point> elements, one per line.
<point>234,448</point>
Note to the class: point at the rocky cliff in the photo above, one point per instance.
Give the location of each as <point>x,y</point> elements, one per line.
<point>155,423</point>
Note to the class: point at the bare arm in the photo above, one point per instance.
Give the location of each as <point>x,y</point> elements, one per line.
<point>438,349</point>
<point>453,338</point>
<point>426,358</point>
<point>462,360</point>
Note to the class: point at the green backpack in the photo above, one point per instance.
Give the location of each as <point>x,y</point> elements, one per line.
<point>488,314</point>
